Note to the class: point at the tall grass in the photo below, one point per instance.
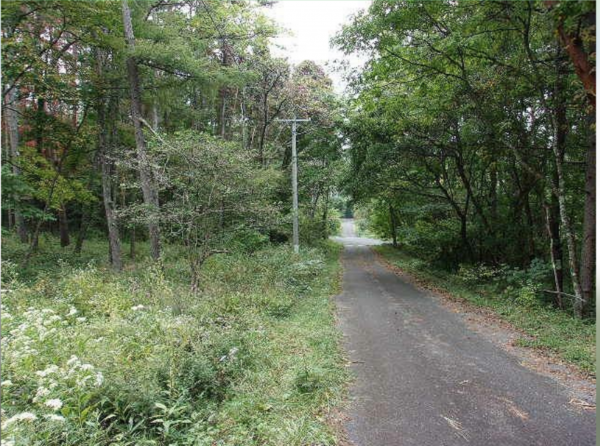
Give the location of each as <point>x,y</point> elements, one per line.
<point>90,357</point>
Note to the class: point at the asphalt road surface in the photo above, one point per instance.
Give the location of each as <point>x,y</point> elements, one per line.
<point>423,378</point>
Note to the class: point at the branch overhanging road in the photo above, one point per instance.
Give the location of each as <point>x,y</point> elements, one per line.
<point>423,378</point>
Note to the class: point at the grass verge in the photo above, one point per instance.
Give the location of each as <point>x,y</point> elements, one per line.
<point>97,358</point>
<point>573,340</point>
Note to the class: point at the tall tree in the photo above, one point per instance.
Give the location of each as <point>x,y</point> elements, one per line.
<point>146,178</point>
<point>466,116</point>
<point>12,121</point>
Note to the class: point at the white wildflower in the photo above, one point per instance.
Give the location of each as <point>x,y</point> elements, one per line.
<point>72,360</point>
<point>54,417</point>
<point>23,416</point>
<point>72,311</point>
<point>87,367</point>
<point>81,382</point>
<point>81,319</point>
<point>6,383</point>
<point>99,379</point>
<point>7,443</point>
<point>230,355</point>
<point>137,307</point>
<point>54,404</point>
<point>50,369</point>
<point>51,319</point>
<point>41,392</point>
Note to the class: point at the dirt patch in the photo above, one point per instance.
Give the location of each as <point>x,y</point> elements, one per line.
<point>581,385</point>
<point>337,419</point>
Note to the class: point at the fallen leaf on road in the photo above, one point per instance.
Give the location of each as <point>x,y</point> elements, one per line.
<point>583,404</point>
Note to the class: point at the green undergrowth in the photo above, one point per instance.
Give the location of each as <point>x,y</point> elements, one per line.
<point>98,358</point>
<point>571,339</point>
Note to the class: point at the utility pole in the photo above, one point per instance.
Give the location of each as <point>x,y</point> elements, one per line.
<point>295,237</point>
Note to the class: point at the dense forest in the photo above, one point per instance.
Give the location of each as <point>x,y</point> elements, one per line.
<point>473,136</point>
<point>150,292</point>
<point>146,182</point>
<point>113,114</point>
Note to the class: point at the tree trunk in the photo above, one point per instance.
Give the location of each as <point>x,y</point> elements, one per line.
<point>558,148</point>
<point>12,122</point>
<point>223,112</point>
<point>63,226</point>
<point>132,244</point>
<point>326,212</point>
<point>556,246</point>
<point>464,236</point>
<point>83,227</point>
<point>574,47</point>
<point>530,230</point>
<point>393,226</point>
<point>556,255</point>
<point>109,207</point>
<point>223,93</point>
<point>588,248</point>
<point>111,219</point>
<point>155,119</point>
<point>195,276</point>
<point>148,190</point>
<point>243,116</point>
<point>10,219</point>
<point>87,209</point>
<point>263,130</point>
<point>315,202</point>
<point>568,231</point>
<point>494,194</point>
<point>261,143</point>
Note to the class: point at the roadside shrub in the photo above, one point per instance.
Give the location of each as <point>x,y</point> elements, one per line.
<point>249,240</point>
<point>312,230</point>
<point>524,285</point>
<point>362,226</point>
<point>10,272</point>
<point>432,241</point>
<point>528,294</point>
<point>298,274</point>
<point>477,274</point>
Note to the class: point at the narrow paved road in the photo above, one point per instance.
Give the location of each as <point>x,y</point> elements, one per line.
<point>424,379</point>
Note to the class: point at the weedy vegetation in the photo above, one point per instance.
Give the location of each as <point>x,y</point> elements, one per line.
<point>93,357</point>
